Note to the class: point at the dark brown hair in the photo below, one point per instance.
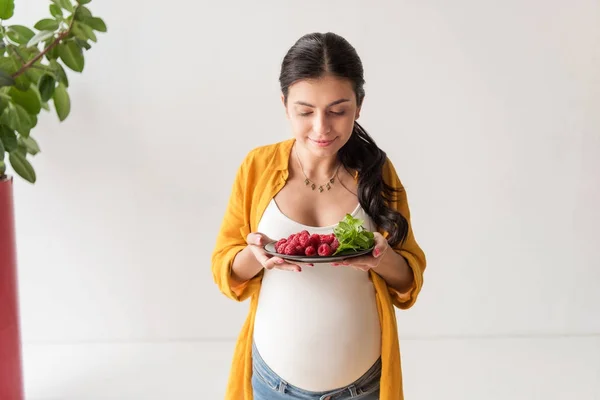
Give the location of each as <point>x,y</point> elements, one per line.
<point>318,54</point>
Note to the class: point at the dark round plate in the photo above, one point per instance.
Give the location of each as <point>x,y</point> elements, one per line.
<point>270,249</point>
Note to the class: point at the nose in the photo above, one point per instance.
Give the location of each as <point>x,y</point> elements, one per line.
<point>321,125</point>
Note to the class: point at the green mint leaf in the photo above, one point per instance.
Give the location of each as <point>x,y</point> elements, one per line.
<point>352,235</point>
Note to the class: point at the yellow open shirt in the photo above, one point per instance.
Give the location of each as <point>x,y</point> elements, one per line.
<point>262,174</point>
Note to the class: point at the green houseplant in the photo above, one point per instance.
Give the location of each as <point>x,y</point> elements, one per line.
<point>33,64</point>
<point>33,77</point>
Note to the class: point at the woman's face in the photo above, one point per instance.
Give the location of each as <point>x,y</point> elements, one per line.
<point>322,113</point>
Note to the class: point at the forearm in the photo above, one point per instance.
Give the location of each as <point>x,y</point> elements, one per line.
<point>245,266</point>
<point>394,269</point>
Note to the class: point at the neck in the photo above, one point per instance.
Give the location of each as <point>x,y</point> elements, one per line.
<point>316,168</point>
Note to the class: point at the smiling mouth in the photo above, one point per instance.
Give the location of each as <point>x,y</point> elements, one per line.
<point>323,141</point>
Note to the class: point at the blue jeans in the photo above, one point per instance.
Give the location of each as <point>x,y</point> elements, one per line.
<point>267,385</point>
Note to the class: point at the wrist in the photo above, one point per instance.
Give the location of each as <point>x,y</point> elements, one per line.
<point>380,255</point>
<point>245,265</point>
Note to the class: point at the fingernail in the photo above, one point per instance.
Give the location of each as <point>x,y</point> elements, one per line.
<point>377,252</point>
<point>311,265</point>
<point>335,264</point>
<point>280,261</point>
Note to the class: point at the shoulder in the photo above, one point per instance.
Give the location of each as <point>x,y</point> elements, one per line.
<point>273,155</point>
<point>389,174</point>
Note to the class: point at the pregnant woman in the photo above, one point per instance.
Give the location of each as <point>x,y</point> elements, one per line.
<point>328,330</point>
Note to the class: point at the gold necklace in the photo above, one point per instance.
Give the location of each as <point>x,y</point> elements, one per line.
<point>310,183</point>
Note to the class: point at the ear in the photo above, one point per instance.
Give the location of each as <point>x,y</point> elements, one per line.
<point>357,115</point>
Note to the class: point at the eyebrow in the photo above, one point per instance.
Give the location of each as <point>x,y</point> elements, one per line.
<point>302,103</point>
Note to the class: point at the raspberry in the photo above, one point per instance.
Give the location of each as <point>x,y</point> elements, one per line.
<point>304,232</point>
<point>334,245</point>
<point>315,240</point>
<point>280,242</point>
<point>299,250</point>
<point>293,235</point>
<point>304,239</point>
<point>290,250</point>
<point>310,251</point>
<point>295,241</point>
<point>327,239</point>
<point>325,250</point>
<point>281,248</point>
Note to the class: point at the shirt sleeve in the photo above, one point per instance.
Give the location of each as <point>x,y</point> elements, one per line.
<point>231,239</point>
<point>409,248</point>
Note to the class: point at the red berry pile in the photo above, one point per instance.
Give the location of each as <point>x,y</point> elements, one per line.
<point>305,244</point>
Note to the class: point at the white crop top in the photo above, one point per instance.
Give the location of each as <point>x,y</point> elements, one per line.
<point>317,329</point>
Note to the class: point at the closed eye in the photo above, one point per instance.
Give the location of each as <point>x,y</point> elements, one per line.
<point>338,113</point>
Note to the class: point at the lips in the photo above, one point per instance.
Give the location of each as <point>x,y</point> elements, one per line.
<point>322,141</point>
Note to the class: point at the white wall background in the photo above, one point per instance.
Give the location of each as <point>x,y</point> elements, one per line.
<point>490,110</point>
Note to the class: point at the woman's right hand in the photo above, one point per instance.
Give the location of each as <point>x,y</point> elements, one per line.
<point>256,241</point>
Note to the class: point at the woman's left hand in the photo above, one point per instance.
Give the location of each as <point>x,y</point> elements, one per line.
<point>368,261</point>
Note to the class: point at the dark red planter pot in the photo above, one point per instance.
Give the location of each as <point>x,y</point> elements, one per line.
<point>11,375</point>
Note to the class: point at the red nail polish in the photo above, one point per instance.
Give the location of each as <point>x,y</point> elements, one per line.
<point>377,252</point>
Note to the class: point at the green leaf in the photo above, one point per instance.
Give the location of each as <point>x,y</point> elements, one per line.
<point>4,102</point>
<point>34,74</point>
<point>8,65</point>
<point>40,36</point>
<point>95,23</point>
<point>65,4</point>
<point>82,44</point>
<point>2,151</point>
<point>21,149</point>
<point>46,24</point>
<point>6,79</point>
<point>22,167</point>
<point>19,34</point>
<point>62,102</point>
<point>78,31</point>
<point>361,242</point>
<point>46,87</point>
<point>17,118</point>
<point>82,13</point>
<point>22,82</point>
<point>30,145</point>
<point>82,2</point>
<point>8,137</point>
<point>28,99</point>
<point>56,11</point>
<point>352,235</point>
<point>71,55</point>
<point>7,9</point>
<point>84,32</point>
<point>51,54</point>
<point>60,73</point>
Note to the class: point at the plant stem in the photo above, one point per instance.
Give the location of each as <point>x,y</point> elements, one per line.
<point>47,49</point>
<point>36,58</point>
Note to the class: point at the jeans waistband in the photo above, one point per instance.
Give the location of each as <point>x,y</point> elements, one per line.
<point>368,382</point>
